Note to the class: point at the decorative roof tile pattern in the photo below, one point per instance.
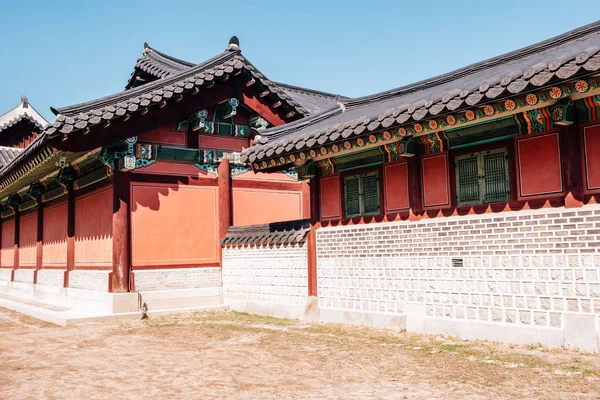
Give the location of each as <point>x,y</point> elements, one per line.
<point>576,53</point>
<point>86,115</point>
<point>157,64</point>
<point>161,65</point>
<point>267,234</point>
<point>22,112</point>
<point>8,154</point>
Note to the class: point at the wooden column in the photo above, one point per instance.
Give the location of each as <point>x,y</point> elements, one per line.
<point>119,278</point>
<point>571,165</point>
<point>224,203</point>
<point>39,244</point>
<point>70,235</point>
<point>311,238</point>
<point>17,233</point>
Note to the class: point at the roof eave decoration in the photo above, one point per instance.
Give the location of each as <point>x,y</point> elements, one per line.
<point>367,133</point>
<point>142,99</point>
<point>523,83</point>
<point>22,112</point>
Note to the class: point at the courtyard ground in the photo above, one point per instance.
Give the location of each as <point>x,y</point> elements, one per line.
<point>239,356</point>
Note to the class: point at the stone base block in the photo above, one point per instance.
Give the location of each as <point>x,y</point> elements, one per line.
<point>22,289</point>
<point>181,298</point>
<point>50,293</point>
<point>374,319</point>
<point>24,275</point>
<point>580,332</point>
<point>51,277</point>
<point>6,274</point>
<point>276,310</point>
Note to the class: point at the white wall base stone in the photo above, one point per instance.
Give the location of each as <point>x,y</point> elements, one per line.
<point>276,310</point>
<point>181,298</point>
<point>176,278</point>
<point>24,275</point>
<point>374,319</point>
<point>579,332</point>
<point>89,280</point>
<point>5,274</point>
<point>22,289</point>
<point>51,277</point>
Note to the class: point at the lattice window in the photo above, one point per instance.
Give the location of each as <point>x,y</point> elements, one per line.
<point>482,178</point>
<point>362,194</point>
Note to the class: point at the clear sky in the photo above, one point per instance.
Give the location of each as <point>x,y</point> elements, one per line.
<point>60,52</point>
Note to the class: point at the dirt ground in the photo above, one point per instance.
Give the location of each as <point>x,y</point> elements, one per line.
<point>239,356</point>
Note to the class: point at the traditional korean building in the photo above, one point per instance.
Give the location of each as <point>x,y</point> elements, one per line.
<point>123,200</point>
<point>464,204</point>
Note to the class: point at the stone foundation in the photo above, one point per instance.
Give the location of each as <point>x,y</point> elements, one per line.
<point>89,280</point>
<point>488,276</point>
<point>24,275</point>
<point>177,278</point>
<point>270,280</point>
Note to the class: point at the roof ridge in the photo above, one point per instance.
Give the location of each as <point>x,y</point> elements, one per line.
<point>480,65</point>
<point>310,91</point>
<point>168,58</point>
<point>133,92</point>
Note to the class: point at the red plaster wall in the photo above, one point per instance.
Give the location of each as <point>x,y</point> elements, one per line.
<point>591,157</point>
<point>396,187</point>
<point>538,165</point>
<point>28,240</point>
<point>164,135</point>
<point>330,197</point>
<point>55,236</point>
<point>173,224</point>
<point>93,229</point>
<point>262,206</point>
<point>435,181</point>
<point>7,252</point>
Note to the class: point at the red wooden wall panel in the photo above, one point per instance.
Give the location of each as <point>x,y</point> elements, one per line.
<point>28,240</point>
<point>93,229</point>
<point>7,252</point>
<point>164,135</point>
<point>539,172</point>
<point>330,197</point>
<point>396,187</point>
<point>591,158</point>
<point>435,181</point>
<point>261,206</point>
<point>55,236</point>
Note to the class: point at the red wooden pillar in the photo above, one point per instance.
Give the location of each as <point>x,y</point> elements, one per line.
<point>70,235</point>
<point>224,203</point>
<point>311,238</point>
<point>16,242</point>
<point>39,244</point>
<point>571,163</point>
<point>119,278</point>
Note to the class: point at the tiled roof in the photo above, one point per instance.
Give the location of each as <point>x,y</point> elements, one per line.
<point>572,54</point>
<point>22,112</point>
<point>161,65</point>
<point>157,64</point>
<point>265,234</point>
<point>7,154</point>
<point>85,115</point>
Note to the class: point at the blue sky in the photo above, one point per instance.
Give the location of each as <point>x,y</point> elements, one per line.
<point>60,53</point>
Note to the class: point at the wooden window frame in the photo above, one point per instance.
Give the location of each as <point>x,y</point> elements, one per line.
<point>481,177</point>
<point>361,200</point>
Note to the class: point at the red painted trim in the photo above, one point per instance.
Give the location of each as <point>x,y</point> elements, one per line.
<point>92,268</point>
<point>269,185</point>
<point>255,104</point>
<point>208,180</point>
<point>584,156</point>
<point>385,186</point>
<point>435,206</point>
<point>339,194</point>
<point>225,143</point>
<point>541,195</point>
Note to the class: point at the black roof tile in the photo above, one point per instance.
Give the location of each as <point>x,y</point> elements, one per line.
<point>275,233</point>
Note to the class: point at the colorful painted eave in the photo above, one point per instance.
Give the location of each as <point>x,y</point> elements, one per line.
<point>537,76</point>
